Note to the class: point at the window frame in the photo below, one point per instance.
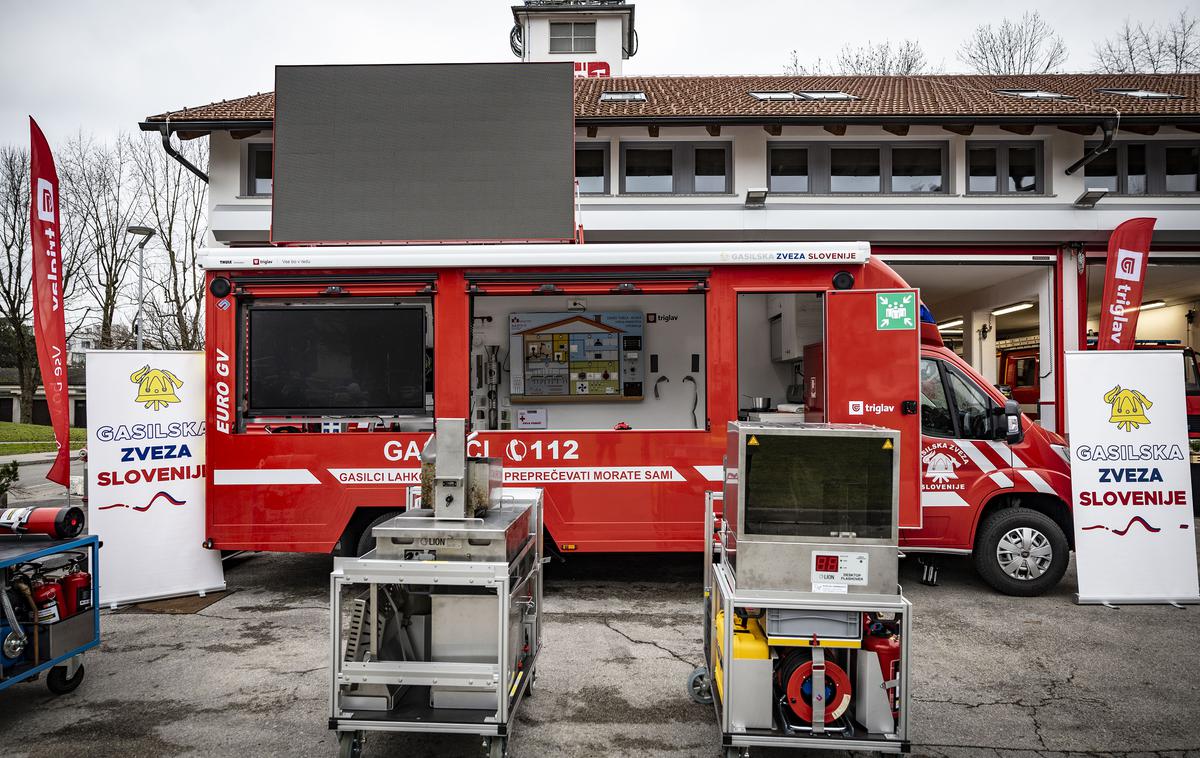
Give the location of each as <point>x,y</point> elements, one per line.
<point>1002,147</point>
<point>1156,166</point>
<point>253,150</point>
<point>575,37</point>
<point>820,165</point>
<point>683,166</point>
<point>605,149</point>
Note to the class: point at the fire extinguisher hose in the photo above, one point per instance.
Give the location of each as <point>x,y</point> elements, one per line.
<point>21,584</point>
<point>11,615</point>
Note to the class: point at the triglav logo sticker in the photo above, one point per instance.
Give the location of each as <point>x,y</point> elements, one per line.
<point>1128,408</point>
<point>156,387</point>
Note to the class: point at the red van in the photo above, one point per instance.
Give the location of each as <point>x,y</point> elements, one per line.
<point>328,364</point>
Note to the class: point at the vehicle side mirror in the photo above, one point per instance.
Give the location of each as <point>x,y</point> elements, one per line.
<point>1012,432</point>
<point>1005,389</point>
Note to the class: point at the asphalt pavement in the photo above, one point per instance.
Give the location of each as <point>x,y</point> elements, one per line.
<point>991,676</point>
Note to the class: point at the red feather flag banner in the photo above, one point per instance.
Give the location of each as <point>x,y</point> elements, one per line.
<point>1124,276</point>
<point>49,323</point>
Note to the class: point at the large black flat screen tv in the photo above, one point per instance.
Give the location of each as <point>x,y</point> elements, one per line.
<point>435,153</point>
<point>336,360</point>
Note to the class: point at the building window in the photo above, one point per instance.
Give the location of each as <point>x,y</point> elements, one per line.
<point>863,168</point>
<point>854,169</point>
<point>1181,168</point>
<point>1145,168</point>
<point>789,169</point>
<point>591,169</point>
<point>1034,94</point>
<point>918,169</point>
<point>573,37</point>
<point>680,168</point>
<point>1014,168</point>
<point>1144,94</point>
<point>711,173</point>
<point>260,169</point>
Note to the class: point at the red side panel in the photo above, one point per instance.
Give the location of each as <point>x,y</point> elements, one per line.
<point>871,369</point>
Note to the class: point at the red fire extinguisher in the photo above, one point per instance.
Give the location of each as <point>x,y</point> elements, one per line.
<point>46,596</point>
<point>76,590</point>
<point>65,522</point>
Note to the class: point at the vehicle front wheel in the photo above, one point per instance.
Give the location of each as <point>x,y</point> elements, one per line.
<point>1021,552</point>
<point>366,540</point>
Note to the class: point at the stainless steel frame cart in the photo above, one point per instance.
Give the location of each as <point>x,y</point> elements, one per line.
<point>61,644</point>
<point>842,635</point>
<point>438,629</point>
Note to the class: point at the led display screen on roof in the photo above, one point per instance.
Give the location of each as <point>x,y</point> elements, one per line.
<point>409,153</point>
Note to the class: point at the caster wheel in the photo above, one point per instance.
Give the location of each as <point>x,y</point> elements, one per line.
<point>350,745</point>
<point>58,683</point>
<point>497,747</point>
<point>529,685</point>
<point>699,688</point>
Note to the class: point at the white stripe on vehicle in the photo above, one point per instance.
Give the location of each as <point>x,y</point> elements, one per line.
<point>976,455</point>
<point>1035,479</point>
<point>711,473</point>
<point>942,499</point>
<point>1001,479</point>
<point>259,476</point>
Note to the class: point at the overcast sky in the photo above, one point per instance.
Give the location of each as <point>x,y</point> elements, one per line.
<point>103,66</point>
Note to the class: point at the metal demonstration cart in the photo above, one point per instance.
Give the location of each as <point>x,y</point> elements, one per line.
<point>806,632</point>
<point>424,641</point>
<point>66,627</point>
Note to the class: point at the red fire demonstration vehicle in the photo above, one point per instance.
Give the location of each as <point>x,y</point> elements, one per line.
<point>605,374</point>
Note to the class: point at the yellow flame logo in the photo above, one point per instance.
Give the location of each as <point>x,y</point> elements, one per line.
<point>1128,408</point>
<point>156,387</point>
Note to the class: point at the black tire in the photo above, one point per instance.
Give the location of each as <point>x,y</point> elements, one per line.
<point>1033,557</point>
<point>350,745</point>
<point>58,683</point>
<point>365,541</point>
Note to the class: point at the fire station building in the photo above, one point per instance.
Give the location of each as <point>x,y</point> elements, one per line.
<point>995,195</point>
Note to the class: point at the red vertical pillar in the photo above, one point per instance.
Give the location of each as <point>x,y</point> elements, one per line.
<point>451,346</point>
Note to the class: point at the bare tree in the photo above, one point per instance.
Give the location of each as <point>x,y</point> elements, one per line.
<point>16,271</point>
<point>104,199</point>
<point>869,59</point>
<point>176,207</point>
<point>881,59</point>
<point>1151,49</point>
<point>1027,46</point>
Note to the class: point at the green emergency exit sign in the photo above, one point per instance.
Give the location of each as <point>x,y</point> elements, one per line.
<point>895,310</point>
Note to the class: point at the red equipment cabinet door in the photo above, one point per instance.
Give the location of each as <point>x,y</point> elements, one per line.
<point>872,370</point>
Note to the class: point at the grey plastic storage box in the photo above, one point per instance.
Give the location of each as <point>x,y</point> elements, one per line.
<point>826,625</point>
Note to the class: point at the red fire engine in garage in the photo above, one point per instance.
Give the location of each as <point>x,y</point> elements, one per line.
<point>327,365</point>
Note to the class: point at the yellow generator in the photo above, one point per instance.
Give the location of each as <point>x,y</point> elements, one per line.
<point>806,631</point>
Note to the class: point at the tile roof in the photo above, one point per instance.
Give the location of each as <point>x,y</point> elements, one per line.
<point>926,97</point>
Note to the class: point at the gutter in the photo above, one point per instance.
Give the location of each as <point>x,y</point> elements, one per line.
<point>1110,131</point>
<point>178,156</point>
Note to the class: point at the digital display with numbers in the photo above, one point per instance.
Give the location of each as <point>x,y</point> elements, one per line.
<point>825,564</point>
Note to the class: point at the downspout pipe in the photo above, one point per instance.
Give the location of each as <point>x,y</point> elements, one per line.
<point>1110,131</point>
<point>171,151</point>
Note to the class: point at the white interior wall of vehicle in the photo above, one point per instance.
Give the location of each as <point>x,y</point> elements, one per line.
<point>676,334</point>
<point>758,374</point>
<point>972,291</point>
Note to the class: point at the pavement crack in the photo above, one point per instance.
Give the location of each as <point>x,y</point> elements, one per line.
<point>652,643</point>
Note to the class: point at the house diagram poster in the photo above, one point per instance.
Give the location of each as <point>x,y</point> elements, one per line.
<point>576,356</point>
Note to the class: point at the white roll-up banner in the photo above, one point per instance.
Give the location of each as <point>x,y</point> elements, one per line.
<point>1135,534</point>
<point>146,469</point>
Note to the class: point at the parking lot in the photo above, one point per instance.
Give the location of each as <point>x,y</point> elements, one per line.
<point>993,675</point>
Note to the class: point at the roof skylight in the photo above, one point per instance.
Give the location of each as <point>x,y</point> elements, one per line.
<point>631,96</point>
<point>825,94</point>
<point>1144,94</point>
<point>1034,94</point>
<point>775,95</point>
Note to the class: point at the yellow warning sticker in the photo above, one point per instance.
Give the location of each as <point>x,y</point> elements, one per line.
<point>753,440</point>
<point>887,444</point>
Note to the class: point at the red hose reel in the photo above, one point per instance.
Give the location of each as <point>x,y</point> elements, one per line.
<point>796,680</point>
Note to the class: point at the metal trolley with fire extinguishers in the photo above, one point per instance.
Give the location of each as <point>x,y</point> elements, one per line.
<point>806,632</point>
<point>439,627</point>
<point>49,607</point>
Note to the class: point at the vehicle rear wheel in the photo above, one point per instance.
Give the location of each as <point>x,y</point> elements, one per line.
<point>365,541</point>
<point>1021,552</point>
